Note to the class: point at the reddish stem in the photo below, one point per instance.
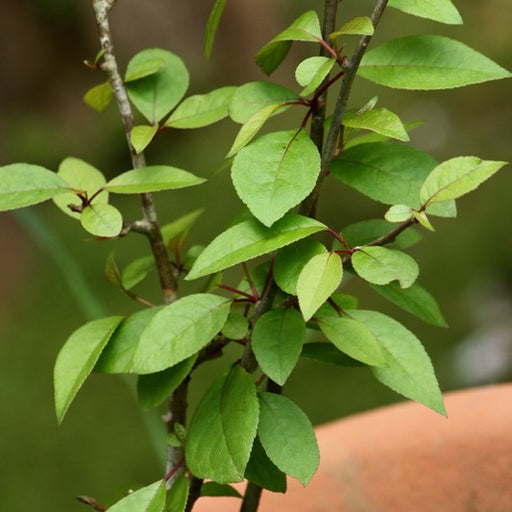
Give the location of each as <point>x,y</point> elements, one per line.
<point>180,463</point>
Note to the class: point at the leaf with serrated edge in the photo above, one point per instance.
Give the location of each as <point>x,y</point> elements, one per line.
<point>437,10</point>
<point>77,358</point>
<point>102,220</point>
<point>250,239</point>
<point>179,331</point>
<point>223,428</point>
<point>142,135</point>
<point>148,499</point>
<point>177,497</point>
<point>380,120</point>
<point>409,370</point>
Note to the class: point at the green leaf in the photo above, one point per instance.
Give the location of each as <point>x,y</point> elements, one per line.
<point>250,239</point>
<point>136,271</point>
<point>354,339</point>
<point>398,213</point>
<point>288,166</point>
<point>26,184</point>
<point>288,437</point>
<point>277,341</point>
<point>318,279</point>
<point>177,496</point>
<point>202,109</point>
<point>112,270</point>
<point>327,353</point>
<point>379,120</point>
<point>236,327</point>
<point>456,177</point>
<point>117,357</point>
<point>362,25</point>
<point>156,82</point>
<point>423,219</point>
<point>428,63</point>
<point>102,220</point>
<point>305,28</point>
<point>410,371</point>
<point>99,96</point>
<point>437,10</point>
<point>223,428</point>
<point>155,388</point>
<point>77,358</point>
<point>81,176</point>
<point>336,302</point>
<point>310,73</point>
<point>262,471</point>
<point>390,173</point>
<point>147,499</point>
<point>142,135</point>
<point>152,179</point>
<point>415,299</point>
<point>380,265</point>
<point>253,96</point>
<point>290,261</point>
<point>179,331</point>
<point>211,26</point>
<point>218,490</point>
<point>180,225</point>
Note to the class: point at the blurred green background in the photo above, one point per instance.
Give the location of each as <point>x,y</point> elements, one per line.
<point>102,447</point>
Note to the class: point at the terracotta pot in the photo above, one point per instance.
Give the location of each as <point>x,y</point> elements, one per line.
<point>406,458</point>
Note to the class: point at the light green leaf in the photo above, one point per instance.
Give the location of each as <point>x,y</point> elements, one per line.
<point>415,299</point>
<point>178,495</point>
<point>77,358</point>
<point>288,437</point>
<point>318,78</point>
<point>136,271</point>
<point>152,179</point>
<point>398,213</point>
<point>305,28</point>
<point>277,341</point>
<point>336,302</point>
<point>147,499</point>
<point>318,279</point>
<point>288,166</point>
<point>390,173</point>
<point>26,184</point>
<point>380,120</point>
<point>380,265</point>
<point>262,471</point>
<point>310,73</point>
<point>103,220</point>
<point>181,225</point>
<point>202,109</point>
<point>223,428</point>
<point>99,96</point>
<point>250,239</point>
<point>428,63</point>
<point>410,371</point>
<point>456,177</point>
<point>326,352</point>
<point>142,135</point>
<point>354,339</point>
<point>362,25</point>
<point>236,327</point>
<point>156,82</point>
<point>217,490</point>
<point>438,10</point>
<point>253,96</point>
<point>211,26</point>
<point>423,219</point>
<point>179,331</point>
<point>81,176</point>
<point>290,261</point>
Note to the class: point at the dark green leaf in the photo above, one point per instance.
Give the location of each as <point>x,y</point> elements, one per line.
<point>217,490</point>
<point>262,471</point>
<point>236,327</point>
<point>147,499</point>
<point>211,26</point>
<point>328,353</point>
<point>102,220</point>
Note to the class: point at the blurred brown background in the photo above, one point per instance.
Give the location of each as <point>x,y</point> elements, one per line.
<point>102,447</point>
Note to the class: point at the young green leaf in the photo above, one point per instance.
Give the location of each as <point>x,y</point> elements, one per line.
<point>180,225</point>
<point>354,339</point>
<point>428,62</point>
<point>148,499</point>
<point>398,213</point>
<point>290,261</point>
<point>438,10</point>
<point>288,166</point>
<point>253,96</point>
<point>262,471</point>
<point>81,176</point>
<point>202,109</point>
<point>99,96</point>
<point>102,220</point>
<point>142,135</point>
<point>136,271</point>
<point>288,437</point>
<point>277,341</point>
<point>152,179</point>
<point>415,299</point>
<point>390,173</point>
<point>112,270</point>
<point>380,120</point>
<point>423,219</point>
<point>77,358</point>
<point>155,388</point>
<point>409,371</point>
<point>223,428</point>
<point>26,184</point>
<point>180,330</point>
<point>211,26</point>
<point>380,265</point>
<point>310,73</point>
<point>156,82</point>
<point>217,490</point>
<point>326,352</point>
<point>318,279</point>
<point>250,239</point>
<point>236,327</point>
<point>456,177</point>
<point>337,301</point>
<point>362,25</point>
<point>305,28</point>
<point>177,495</point>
